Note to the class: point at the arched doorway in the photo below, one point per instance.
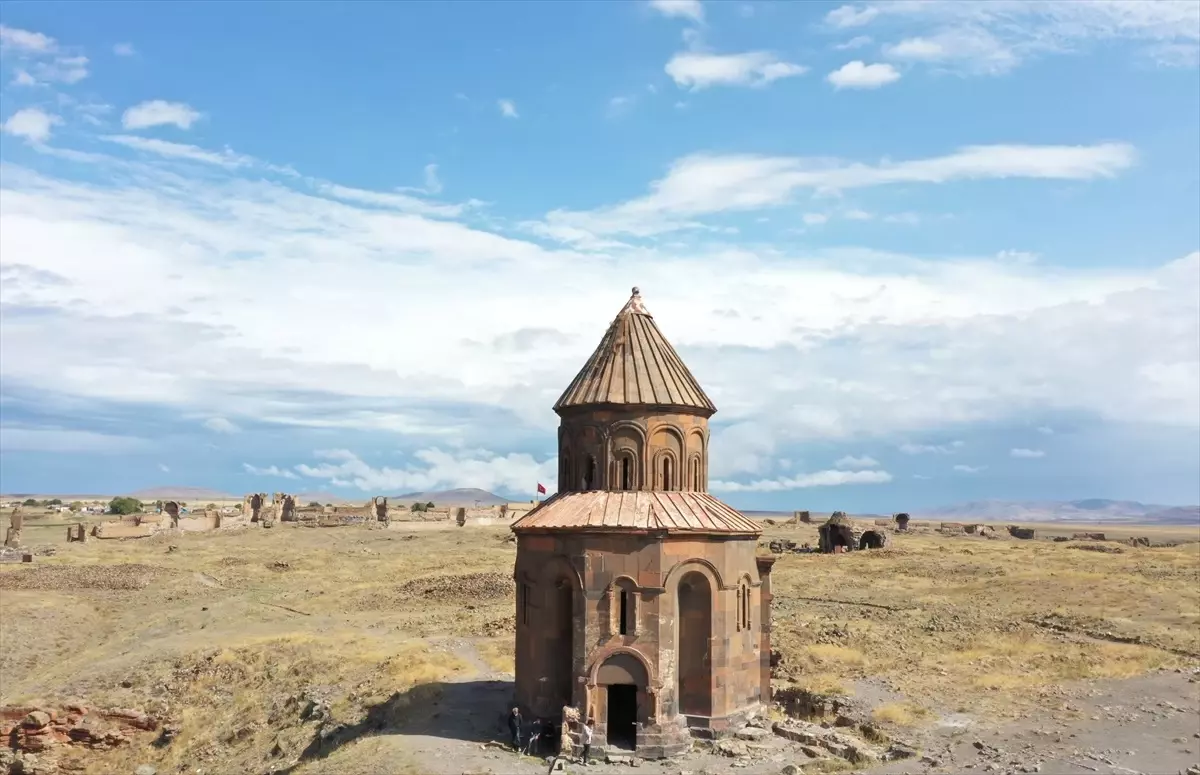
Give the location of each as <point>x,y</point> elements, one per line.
<point>695,645</point>
<point>625,682</point>
<point>560,645</point>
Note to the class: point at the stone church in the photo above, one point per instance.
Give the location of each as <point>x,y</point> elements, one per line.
<point>640,599</point>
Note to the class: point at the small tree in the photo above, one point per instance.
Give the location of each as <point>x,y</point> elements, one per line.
<point>76,506</point>
<point>314,504</point>
<point>417,507</point>
<point>30,502</point>
<point>429,506</point>
<point>54,502</point>
<point>124,506</point>
<point>212,506</point>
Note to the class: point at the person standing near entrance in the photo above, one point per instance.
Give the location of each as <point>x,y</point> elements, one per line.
<point>514,728</point>
<point>585,738</point>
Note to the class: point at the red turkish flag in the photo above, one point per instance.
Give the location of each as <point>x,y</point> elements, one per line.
<point>541,489</point>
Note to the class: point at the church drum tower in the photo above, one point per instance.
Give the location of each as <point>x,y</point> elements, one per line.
<point>640,599</point>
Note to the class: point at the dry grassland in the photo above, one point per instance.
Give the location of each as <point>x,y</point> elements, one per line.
<point>250,639</point>
<point>992,626</point>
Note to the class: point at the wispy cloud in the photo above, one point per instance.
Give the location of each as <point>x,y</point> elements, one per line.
<point>850,461</point>
<point>1021,452</point>
<point>14,39</point>
<point>433,183</point>
<point>965,469</point>
<point>708,183</point>
<point>124,49</point>
<point>829,478</point>
<point>221,425</point>
<point>508,108</point>
<point>857,41</point>
<point>434,468</point>
<point>990,37</point>
<point>160,113</point>
<point>273,471</point>
<point>45,439</point>
<point>696,71</point>
<point>684,9</point>
<point>932,449</point>
<point>226,158</point>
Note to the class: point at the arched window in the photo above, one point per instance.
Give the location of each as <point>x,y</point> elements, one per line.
<point>589,474</point>
<point>626,479</point>
<point>694,474</point>
<point>745,606</point>
<point>666,472</point>
<point>625,608</point>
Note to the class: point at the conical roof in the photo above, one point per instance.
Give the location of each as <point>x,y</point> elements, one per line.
<point>635,365</point>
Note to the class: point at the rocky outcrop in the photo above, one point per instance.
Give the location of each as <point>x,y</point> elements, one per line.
<point>38,735</point>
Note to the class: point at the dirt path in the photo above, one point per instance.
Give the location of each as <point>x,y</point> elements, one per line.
<point>1145,725</point>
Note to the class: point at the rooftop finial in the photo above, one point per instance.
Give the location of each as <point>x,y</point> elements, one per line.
<point>637,291</point>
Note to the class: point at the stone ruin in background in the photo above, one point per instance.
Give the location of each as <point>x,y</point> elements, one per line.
<point>252,506</point>
<point>12,536</point>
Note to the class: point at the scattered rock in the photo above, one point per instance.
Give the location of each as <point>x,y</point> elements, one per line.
<point>752,734</point>
<point>146,769</point>
<point>731,748</point>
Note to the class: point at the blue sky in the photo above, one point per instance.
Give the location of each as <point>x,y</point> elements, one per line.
<point>918,253</point>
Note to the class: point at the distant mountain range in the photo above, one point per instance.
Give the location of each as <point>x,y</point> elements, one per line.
<point>1089,510</point>
<point>179,493</point>
<point>467,496</point>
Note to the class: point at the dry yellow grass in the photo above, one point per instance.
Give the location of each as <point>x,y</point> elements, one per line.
<point>238,627</point>
<point>901,714</point>
<point>994,625</point>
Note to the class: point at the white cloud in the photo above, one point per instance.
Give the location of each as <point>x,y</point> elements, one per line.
<point>921,477</point>
<point>818,479</point>
<point>433,184</point>
<point>389,199</point>
<point>935,449</point>
<point>508,108</point>
<point>707,183</point>
<point>13,39</point>
<point>65,69</point>
<point>1045,430</point>
<point>965,469</point>
<point>849,16</point>
<point>225,158</point>
<point>436,469</point>
<point>124,49</point>
<point>855,342</point>
<point>849,461</point>
<point>815,219</point>
<point>859,75</point>
<point>1026,453</point>
<point>274,471</point>
<point>160,113</point>
<point>23,78</point>
<point>684,9</point>
<point>696,71</point>
<point>24,439</point>
<point>33,124</point>
<point>221,425</point>
<point>619,105</point>
<point>856,42</point>
<point>988,37</point>
<point>164,468</point>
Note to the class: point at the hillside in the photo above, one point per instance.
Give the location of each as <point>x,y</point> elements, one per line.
<point>178,492</point>
<point>1089,510</point>
<point>464,496</point>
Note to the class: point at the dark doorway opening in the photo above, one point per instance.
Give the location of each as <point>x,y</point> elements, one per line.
<point>622,716</point>
<point>589,477</point>
<point>626,473</point>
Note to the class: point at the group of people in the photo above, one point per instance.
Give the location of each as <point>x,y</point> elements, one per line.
<point>543,730</point>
